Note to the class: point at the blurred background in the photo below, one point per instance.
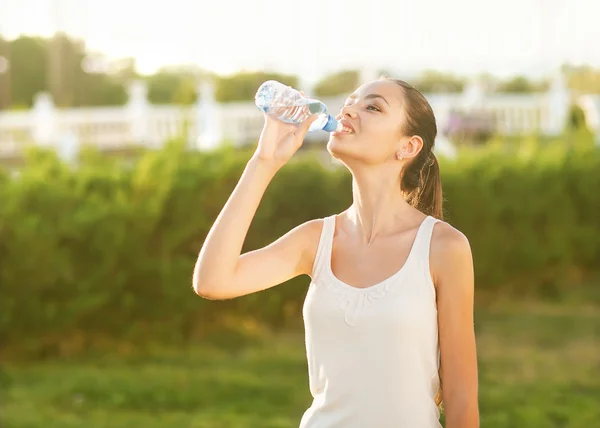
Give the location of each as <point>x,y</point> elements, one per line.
<point>125,125</point>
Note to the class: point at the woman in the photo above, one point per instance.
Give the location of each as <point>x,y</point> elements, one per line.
<point>389,310</point>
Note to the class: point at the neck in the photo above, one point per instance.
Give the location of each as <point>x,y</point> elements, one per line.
<point>377,203</point>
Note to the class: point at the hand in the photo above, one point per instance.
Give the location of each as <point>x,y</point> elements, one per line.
<point>279,140</point>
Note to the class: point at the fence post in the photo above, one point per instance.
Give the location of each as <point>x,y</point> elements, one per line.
<point>559,99</point>
<point>44,119</point>
<point>138,111</point>
<point>208,124</point>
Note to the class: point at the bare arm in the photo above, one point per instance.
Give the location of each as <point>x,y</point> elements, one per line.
<point>452,269</point>
<point>221,270</point>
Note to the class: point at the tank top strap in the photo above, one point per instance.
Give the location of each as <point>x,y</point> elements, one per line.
<point>323,254</point>
<point>422,243</point>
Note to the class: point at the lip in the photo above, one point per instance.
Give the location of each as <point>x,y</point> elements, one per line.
<point>338,133</point>
<point>347,124</point>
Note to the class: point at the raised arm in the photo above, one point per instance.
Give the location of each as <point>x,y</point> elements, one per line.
<point>221,271</point>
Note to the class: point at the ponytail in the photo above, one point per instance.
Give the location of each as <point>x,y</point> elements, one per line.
<point>421,185</point>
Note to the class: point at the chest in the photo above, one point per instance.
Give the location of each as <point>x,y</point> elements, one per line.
<point>402,305</point>
<point>363,266</point>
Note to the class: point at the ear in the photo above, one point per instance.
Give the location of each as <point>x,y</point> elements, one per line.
<point>410,148</point>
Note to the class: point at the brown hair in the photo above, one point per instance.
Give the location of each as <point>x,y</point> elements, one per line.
<point>421,183</point>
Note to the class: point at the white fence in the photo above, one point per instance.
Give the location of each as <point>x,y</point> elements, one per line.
<point>208,123</point>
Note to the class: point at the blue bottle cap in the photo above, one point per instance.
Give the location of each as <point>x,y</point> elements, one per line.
<point>331,125</point>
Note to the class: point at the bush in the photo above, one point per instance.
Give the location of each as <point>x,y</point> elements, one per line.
<point>107,250</point>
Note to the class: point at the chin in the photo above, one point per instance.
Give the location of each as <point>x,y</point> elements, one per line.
<point>335,147</point>
<point>343,149</point>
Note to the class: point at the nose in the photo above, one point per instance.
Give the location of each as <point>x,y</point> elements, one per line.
<point>347,112</point>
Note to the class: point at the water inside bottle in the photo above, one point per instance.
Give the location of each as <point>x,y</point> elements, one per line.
<point>296,114</point>
<point>287,105</point>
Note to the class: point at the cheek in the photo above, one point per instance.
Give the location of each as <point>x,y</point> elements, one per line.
<point>381,134</point>
<point>382,140</point>
<point>379,126</point>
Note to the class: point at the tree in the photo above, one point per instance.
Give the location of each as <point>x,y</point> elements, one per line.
<point>162,87</point>
<point>520,85</point>
<point>582,79</point>
<point>55,64</point>
<point>27,69</point>
<point>343,82</point>
<point>436,81</point>
<point>5,91</point>
<point>71,85</point>
<point>98,89</point>
<point>243,86</point>
<point>175,85</point>
<point>185,92</point>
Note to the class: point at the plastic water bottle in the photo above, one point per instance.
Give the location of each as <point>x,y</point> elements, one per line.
<point>288,105</point>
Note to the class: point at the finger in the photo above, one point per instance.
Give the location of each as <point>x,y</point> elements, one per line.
<point>306,124</point>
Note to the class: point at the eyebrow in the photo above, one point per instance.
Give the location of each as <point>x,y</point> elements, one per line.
<point>370,96</point>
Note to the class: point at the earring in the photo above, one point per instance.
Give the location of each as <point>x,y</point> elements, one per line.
<point>399,157</point>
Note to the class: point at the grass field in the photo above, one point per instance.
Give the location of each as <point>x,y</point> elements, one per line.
<point>539,366</point>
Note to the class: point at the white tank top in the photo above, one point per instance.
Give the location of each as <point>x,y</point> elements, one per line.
<point>373,353</point>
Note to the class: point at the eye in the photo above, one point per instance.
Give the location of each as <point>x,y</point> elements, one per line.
<point>373,107</point>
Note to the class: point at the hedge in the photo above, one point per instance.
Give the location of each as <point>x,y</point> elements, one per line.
<point>105,250</point>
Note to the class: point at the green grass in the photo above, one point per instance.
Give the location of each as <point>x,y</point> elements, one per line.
<point>539,366</point>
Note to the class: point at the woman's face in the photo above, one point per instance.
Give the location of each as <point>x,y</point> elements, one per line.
<point>373,117</point>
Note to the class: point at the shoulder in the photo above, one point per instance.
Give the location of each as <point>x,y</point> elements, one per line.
<point>306,234</point>
<point>309,233</point>
<point>450,253</point>
<point>447,238</point>
<point>312,229</point>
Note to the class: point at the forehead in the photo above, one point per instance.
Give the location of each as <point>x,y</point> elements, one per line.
<point>392,92</point>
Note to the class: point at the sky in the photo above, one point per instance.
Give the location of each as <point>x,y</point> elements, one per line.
<point>311,38</point>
